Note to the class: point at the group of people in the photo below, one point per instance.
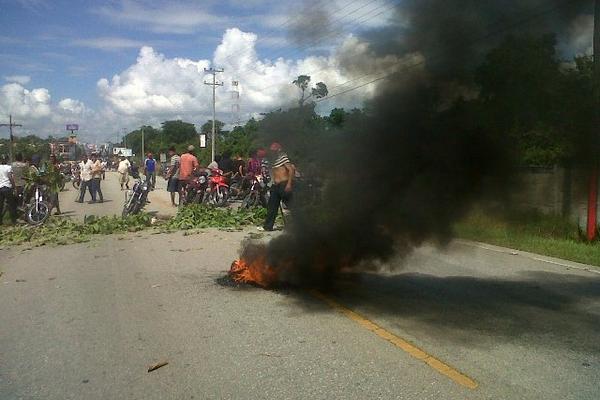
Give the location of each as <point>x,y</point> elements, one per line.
<point>274,165</point>
<point>92,172</point>
<point>280,171</point>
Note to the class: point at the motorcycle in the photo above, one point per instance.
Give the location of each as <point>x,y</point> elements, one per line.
<point>136,198</point>
<point>257,193</point>
<point>195,190</point>
<point>218,189</point>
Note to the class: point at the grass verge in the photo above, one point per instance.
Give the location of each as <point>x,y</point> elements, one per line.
<point>542,234</point>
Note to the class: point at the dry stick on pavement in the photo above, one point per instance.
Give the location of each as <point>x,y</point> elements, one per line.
<point>157,366</point>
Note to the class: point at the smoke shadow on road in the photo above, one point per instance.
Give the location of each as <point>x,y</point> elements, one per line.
<point>547,309</point>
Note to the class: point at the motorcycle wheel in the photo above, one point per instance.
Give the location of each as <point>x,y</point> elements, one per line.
<point>63,183</point>
<point>221,196</point>
<point>235,189</point>
<point>251,200</point>
<point>76,183</point>
<point>37,214</point>
<point>127,207</point>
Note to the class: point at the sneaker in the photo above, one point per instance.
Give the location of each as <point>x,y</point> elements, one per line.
<point>263,229</point>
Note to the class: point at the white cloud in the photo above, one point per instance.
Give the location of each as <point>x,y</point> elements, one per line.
<point>108,43</point>
<point>37,113</point>
<point>72,106</point>
<point>157,87</point>
<point>21,79</point>
<point>24,103</point>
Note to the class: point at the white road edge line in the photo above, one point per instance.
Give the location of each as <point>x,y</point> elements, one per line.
<point>531,256</point>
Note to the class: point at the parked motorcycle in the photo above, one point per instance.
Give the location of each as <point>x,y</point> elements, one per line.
<point>136,198</point>
<point>257,194</point>
<point>195,190</point>
<point>218,189</point>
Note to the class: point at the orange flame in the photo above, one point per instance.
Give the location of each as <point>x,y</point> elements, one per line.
<point>256,272</point>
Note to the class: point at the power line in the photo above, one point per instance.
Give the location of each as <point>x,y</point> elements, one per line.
<point>475,40</point>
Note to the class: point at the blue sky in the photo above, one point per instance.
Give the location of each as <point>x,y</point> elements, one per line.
<point>67,46</point>
<point>113,65</point>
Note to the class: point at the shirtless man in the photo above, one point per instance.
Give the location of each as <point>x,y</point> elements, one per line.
<point>282,175</point>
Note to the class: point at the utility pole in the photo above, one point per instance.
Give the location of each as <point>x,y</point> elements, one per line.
<point>592,214</point>
<point>143,151</point>
<point>214,85</point>
<point>10,126</point>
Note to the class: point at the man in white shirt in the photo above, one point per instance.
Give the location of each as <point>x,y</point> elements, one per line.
<point>85,166</point>
<point>123,170</point>
<point>7,185</point>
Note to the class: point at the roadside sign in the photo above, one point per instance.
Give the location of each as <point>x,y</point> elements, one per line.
<point>72,127</point>
<point>203,141</point>
<point>122,151</point>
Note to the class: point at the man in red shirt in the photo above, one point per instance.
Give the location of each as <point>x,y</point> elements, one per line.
<point>187,164</point>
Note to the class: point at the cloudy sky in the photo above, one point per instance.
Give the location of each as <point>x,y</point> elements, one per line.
<point>113,65</point>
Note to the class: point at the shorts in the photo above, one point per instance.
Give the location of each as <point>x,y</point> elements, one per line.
<point>173,185</point>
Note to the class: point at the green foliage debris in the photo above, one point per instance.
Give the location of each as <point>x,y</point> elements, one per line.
<point>65,231</point>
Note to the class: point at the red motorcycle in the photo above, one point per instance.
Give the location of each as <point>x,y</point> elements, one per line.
<point>218,189</point>
<point>195,189</point>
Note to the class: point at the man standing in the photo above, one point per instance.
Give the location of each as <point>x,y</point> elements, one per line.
<point>123,170</point>
<point>282,174</point>
<point>96,178</point>
<point>150,171</point>
<point>187,164</point>
<point>7,184</point>
<point>19,169</point>
<point>173,176</point>
<point>85,170</point>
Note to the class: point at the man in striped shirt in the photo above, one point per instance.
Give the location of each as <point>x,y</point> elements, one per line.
<point>282,176</point>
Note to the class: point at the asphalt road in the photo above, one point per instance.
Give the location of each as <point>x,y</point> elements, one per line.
<point>160,201</point>
<point>85,321</point>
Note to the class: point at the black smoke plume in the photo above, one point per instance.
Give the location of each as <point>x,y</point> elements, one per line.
<point>419,156</point>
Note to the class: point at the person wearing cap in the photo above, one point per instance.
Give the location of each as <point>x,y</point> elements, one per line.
<point>7,187</point>
<point>282,175</point>
<point>187,164</point>
<point>150,171</point>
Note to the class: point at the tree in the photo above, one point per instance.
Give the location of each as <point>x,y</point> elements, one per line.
<point>303,81</point>
<point>522,95</point>
<point>176,132</point>
<point>207,127</point>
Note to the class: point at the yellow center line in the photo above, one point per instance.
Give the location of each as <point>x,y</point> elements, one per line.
<point>403,344</point>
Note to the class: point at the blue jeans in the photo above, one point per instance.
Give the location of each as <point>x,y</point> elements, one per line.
<point>85,185</point>
<point>96,190</point>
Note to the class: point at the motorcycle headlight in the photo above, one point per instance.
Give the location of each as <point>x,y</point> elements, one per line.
<point>202,179</point>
